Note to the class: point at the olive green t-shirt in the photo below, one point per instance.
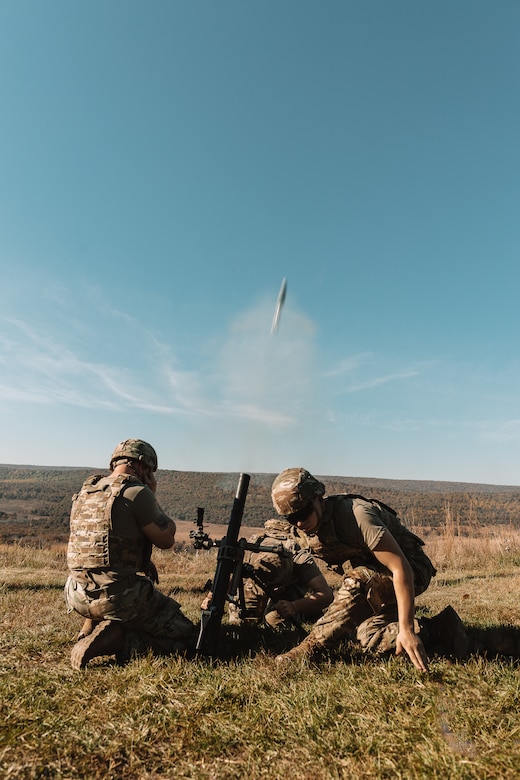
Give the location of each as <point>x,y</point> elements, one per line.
<point>356,522</point>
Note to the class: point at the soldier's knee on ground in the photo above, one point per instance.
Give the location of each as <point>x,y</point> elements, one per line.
<point>274,620</point>
<point>378,634</point>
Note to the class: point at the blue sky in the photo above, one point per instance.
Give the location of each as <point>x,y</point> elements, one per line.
<point>165,164</point>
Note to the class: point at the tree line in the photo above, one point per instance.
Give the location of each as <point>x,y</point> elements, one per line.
<point>35,501</point>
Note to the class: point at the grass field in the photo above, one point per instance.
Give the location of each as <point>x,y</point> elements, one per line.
<point>348,716</point>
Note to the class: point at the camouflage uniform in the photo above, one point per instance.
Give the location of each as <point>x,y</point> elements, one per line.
<point>365,606</point>
<point>109,557</point>
<point>286,576</point>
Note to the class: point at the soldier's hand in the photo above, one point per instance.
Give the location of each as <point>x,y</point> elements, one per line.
<point>411,643</point>
<point>285,608</point>
<point>151,481</point>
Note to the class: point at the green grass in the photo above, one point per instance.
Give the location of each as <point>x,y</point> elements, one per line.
<point>348,716</point>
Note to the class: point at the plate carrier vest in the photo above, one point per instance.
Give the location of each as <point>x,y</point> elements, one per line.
<point>92,542</point>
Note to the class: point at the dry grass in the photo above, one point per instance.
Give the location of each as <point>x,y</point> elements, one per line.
<point>455,546</point>
<point>247,718</point>
<point>478,573</point>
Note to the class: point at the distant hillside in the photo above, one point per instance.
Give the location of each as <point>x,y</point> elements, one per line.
<point>35,501</point>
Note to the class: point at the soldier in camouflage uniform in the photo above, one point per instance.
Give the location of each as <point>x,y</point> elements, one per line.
<point>290,584</point>
<point>383,565</point>
<point>114,522</point>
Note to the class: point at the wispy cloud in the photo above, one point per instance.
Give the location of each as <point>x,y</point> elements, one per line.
<point>376,381</point>
<point>40,369</point>
<point>348,364</point>
<point>356,373</point>
<point>251,376</point>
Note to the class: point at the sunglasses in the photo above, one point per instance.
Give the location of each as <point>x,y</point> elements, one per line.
<point>301,514</point>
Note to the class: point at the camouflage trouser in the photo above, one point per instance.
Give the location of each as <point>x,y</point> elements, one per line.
<point>365,609</point>
<point>259,607</point>
<point>378,633</point>
<point>151,620</point>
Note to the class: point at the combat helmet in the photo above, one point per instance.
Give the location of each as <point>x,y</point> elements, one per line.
<point>136,449</point>
<point>273,569</point>
<point>293,489</point>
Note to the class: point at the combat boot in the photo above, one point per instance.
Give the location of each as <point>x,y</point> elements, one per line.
<point>445,634</point>
<point>107,638</point>
<point>308,650</point>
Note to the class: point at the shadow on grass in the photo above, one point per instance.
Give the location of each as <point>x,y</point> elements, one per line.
<point>245,642</point>
<point>248,641</point>
<point>15,586</point>
<point>499,642</point>
<point>494,642</point>
<point>450,582</point>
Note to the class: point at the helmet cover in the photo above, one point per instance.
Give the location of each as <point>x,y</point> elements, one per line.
<point>293,489</point>
<point>272,569</point>
<point>136,449</point>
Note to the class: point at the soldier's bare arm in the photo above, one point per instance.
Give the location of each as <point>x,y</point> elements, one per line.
<point>388,552</point>
<point>164,538</point>
<point>317,600</point>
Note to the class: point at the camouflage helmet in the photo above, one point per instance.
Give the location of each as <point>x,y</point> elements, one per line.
<point>136,449</point>
<point>272,569</point>
<point>293,489</point>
